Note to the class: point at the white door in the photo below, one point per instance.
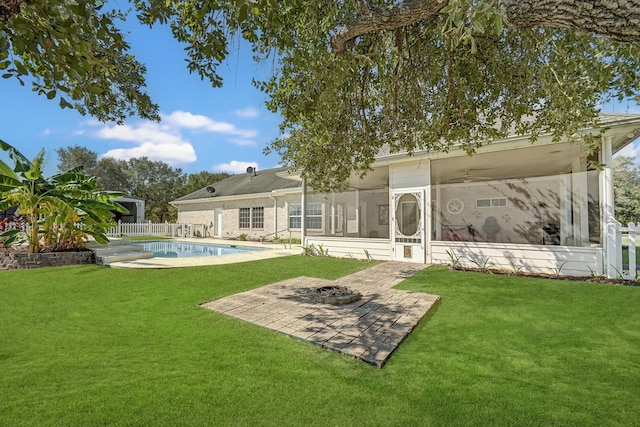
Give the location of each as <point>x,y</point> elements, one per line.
<point>219,224</point>
<point>408,225</point>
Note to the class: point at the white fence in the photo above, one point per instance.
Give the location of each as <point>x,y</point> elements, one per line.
<point>621,254</point>
<point>162,229</point>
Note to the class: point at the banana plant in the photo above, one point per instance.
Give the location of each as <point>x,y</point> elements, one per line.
<point>61,211</point>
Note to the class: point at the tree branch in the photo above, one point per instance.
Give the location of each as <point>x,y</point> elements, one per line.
<point>371,18</point>
<point>617,20</point>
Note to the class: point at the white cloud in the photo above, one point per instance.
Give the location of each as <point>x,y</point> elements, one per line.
<point>167,141</point>
<point>45,133</point>
<point>249,112</point>
<point>234,166</point>
<point>154,141</point>
<point>168,153</point>
<point>184,119</point>
<point>631,150</point>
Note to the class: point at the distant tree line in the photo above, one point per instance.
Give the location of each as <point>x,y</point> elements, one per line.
<point>154,181</point>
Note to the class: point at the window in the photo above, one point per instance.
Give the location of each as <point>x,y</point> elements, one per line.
<point>251,218</point>
<point>257,217</point>
<point>245,217</point>
<point>295,216</point>
<point>314,216</point>
<point>498,202</point>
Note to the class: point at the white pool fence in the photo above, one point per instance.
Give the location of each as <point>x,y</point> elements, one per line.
<point>165,229</point>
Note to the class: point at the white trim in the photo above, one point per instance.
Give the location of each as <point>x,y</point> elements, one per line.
<point>216,199</point>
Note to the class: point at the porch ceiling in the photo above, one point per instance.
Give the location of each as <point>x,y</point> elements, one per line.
<point>517,163</point>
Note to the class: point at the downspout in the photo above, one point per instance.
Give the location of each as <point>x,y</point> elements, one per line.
<point>275,213</point>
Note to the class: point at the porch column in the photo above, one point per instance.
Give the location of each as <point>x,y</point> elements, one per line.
<point>303,213</point>
<point>607,160</point>
<point>358,225</point>
<point>609,239</point>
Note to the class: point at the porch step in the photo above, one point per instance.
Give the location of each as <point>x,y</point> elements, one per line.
<point>122,256</point>
<point>118,250</point>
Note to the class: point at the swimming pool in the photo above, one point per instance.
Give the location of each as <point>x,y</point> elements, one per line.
<point>171,249</point>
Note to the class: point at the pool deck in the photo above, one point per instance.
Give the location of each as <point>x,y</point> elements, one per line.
<point>370,329</point>
<point>267,251</point>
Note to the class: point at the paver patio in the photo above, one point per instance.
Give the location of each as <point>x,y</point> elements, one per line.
<point>369,329</point>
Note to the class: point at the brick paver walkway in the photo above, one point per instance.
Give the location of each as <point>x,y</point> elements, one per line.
<point>369,329</point>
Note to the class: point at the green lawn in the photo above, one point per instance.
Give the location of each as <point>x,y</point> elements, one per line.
<point>96,346</point>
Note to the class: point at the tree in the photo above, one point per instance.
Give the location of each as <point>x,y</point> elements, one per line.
<point>354,77</point>
<point>61,210</point>
<point>74,156</point>
<point>113,174</point>
<point>626,189</point>
<point>73,51</point>
<point>157,183</point>
<point>196,181</point>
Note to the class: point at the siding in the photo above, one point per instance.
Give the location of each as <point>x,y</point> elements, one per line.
<point>570,261</point>
<point>378,249</point>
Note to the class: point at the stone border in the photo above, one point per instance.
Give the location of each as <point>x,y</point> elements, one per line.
<point>27,260</point>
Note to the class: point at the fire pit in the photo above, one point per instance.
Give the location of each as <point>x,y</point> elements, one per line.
<point>334,295</point>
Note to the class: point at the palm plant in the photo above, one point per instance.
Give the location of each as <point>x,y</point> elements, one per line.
<point>61,211</point>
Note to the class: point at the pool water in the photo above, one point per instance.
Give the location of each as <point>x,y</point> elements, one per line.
<point>171,249</point>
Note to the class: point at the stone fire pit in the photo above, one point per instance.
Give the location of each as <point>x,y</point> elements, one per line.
<point>334,295</point>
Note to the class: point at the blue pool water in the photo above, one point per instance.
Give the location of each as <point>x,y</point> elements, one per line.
<point>171,249</point>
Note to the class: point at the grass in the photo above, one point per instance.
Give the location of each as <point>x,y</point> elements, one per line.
<point>96,346</point>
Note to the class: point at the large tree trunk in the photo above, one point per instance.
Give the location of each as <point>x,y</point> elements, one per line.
<point>371,18</point>
<point>615,19</point>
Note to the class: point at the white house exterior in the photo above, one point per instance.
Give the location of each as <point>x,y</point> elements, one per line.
<point>516,205</point>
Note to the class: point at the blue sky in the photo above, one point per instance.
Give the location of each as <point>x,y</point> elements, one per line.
<point>203,128</point>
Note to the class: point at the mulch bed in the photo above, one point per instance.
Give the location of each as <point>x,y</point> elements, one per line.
<point>592,279</point>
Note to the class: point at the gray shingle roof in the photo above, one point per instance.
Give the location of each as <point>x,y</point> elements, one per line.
<point>248,183</point>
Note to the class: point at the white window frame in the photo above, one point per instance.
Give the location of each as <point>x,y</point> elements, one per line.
<point>314,212</point>
<point>493,202</point>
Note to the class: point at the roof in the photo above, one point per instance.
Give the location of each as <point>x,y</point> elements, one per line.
<point>605,121</point>
<point>257,182</point>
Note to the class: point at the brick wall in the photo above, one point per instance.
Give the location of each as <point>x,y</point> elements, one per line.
<point>24,260</point>
<point>206,213</point>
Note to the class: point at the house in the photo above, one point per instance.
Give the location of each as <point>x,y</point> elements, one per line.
<point>516,205</point>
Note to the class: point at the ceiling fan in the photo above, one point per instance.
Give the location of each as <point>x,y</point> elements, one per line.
<point>470,176</point>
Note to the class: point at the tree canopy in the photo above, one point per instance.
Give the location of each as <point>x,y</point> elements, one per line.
<point>154,181</point>
<point>353,77</point>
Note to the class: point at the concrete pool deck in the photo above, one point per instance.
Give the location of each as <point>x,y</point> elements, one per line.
<point>267,251</point>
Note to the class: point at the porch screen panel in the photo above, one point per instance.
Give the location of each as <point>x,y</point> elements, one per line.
<point>360,213</point>
<point>558,209</point>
